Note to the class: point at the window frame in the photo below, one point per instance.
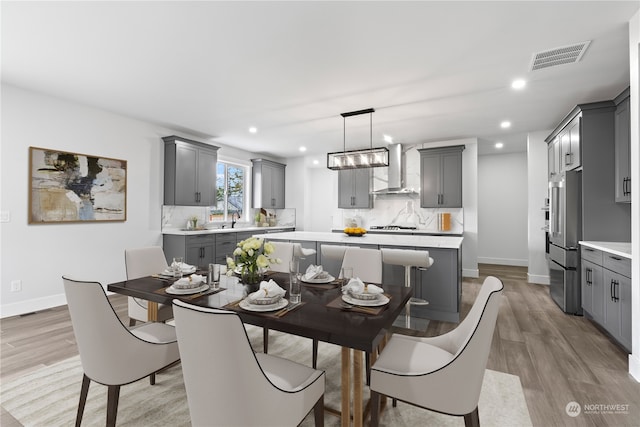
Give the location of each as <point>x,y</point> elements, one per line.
<point>246,185</point>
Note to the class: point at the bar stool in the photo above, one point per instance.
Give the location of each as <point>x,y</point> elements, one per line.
<point>408,258</point>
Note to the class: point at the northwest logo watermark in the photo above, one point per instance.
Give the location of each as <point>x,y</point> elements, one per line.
<point>573,409</point>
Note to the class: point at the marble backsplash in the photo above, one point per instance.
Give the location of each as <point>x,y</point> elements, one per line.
<point>402,210</point>
<point>177,216</point>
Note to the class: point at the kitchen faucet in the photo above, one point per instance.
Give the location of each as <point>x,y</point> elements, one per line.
<point>234,216</point>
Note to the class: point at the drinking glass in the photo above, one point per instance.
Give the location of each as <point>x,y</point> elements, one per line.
<point>214,276</point>
<point>295,284</point>
<point>346,274</point>
<point>176,266</point>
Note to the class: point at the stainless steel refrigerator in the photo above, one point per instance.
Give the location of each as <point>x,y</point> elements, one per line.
<point>565,231</point>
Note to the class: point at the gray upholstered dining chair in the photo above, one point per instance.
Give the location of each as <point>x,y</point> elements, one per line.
<point>442,373</point>
<point>110,353</point>
<point>228,383</point>
<point>141,262</point>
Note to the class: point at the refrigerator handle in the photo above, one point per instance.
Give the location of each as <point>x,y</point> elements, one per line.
<point>554,209</point>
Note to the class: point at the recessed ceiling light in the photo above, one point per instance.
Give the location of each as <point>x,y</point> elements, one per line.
<point>499,145</point>
<point>315,162</point>
<point>505,124</point>
<point>303,149</point>
<point>388,138</point>
<point>519,84</point>
<point>253,129</point>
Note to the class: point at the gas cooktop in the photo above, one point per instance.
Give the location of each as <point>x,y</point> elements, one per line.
<point>393,227</point>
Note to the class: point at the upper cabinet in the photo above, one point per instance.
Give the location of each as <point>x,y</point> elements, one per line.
<point>354,189</point>
<point>622,129</point>
<point>554,158</point>
<point>441,175</point>
<point>570,146</point>
<point>268,184</point>
<point>189,172</point>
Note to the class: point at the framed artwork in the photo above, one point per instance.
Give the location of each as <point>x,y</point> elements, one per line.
<point>71,187</point>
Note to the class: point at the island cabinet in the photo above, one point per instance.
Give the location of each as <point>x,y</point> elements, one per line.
<point>606,292</point>
<point>189,172</point>
<point>354,189</point>
<point>441,177</point>
<point>268,184</point>
<point>622,130</point>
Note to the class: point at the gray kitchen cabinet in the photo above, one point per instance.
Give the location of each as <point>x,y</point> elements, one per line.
<point>268,184</point>
<point>622,129</point>
<point>441,286</point>
<point>570,156</point>
<point>354,189</point>
<point>198,250</point>
<point>554,158</point>
<point>606,278</point>
<point>225,245</point>
<point>441,177</point>
<point>189,172</point>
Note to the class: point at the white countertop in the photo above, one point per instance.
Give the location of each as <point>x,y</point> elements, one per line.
<point>445,242</point>
<point>410,232</point>
<point>617,248</point>
<point>181,232</point>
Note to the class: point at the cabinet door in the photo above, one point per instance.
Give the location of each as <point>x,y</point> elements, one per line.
<point>623,155</point>
<point>438,284</point>
<point>345,189</point>
<point>624,293</point>
<point>593,290</point>
<point>611,302</point>
<point>267,185</point>
<point>553,158</point>
<point>186,173</point>
<point>362,188</point>
<point>206,178</point>
<point>574,133</point>
<point>451,180</point>
<point>586,285</point>
<point>277,187</point>
<point>430,177</point>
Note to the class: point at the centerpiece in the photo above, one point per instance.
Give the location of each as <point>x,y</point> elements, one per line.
<point>252,257</point>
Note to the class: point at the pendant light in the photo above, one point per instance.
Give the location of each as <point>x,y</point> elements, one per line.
<point>358,159</point>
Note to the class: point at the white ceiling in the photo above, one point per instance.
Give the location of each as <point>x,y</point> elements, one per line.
<point>432,70</point>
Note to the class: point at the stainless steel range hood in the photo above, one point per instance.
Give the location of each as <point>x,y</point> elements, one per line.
<point>396,180</point>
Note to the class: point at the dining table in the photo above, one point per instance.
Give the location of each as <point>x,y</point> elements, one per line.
<point>321,315</point>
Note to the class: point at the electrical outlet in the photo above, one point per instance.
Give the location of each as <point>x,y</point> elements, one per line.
<point>16,285</point>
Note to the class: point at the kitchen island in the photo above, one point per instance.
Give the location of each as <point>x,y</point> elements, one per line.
<point>440,285</point>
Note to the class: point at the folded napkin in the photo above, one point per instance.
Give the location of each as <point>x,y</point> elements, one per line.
<point>267,290</point>
<point>356,286</point>
<point>192,281</point>
<point>313,272</point>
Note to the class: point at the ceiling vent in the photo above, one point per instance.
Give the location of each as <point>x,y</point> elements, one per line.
<point>559,56</point>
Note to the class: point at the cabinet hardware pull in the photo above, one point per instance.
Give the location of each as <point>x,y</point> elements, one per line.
<point>616,284</point>
<point>567,159</point>
<point>615,257</point>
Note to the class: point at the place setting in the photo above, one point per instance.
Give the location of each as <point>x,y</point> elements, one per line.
<point>196,285</point>
<point>316,277</point>
<point>361,297</point>
<point>268,299</point>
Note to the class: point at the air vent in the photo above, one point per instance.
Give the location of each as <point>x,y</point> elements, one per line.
<point>559,56</point>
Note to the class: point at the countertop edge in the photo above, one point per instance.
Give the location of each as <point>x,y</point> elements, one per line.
<point>178,232</point>
<point>622,249</point>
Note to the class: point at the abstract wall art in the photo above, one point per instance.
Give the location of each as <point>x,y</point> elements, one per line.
<point>72,187</point>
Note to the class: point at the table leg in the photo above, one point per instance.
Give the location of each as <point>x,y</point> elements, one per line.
<point>152,311</point>
<point>358,413</point>
<point>345,415</point>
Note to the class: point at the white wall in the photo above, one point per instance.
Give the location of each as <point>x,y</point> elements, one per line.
<point>537,164</point>
<point>502,209</point>
<point>39,255</point>
<point>634,53</point>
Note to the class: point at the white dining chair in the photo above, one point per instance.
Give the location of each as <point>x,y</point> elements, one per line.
<point>408,258</point>
<point>141,262</point>
<point>284,252</point>
<point>366,263</point>
<point>228,384</point>
<point>110,353</point>
<point>442,373</point>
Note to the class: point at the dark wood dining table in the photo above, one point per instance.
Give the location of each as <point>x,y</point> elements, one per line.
<point>319,317</point>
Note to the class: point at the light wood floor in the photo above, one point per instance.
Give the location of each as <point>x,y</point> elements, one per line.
<point>559,358</point>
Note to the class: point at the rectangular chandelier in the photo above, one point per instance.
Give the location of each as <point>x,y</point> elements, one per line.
<point>357,159</point>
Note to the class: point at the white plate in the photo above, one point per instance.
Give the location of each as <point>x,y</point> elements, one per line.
<point>328,279</point>
<point>382,300</point>
<point>173,291</point>
<point>192,269</point>
<point>245,304</point>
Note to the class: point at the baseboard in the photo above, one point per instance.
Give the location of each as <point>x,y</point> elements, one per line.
<point>504,261</point>
<point>536,278</point>
<point>634,366</point>
<point>32,305</point>
<point>473,273</point>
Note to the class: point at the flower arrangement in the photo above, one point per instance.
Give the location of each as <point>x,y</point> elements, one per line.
<point>252,256</point>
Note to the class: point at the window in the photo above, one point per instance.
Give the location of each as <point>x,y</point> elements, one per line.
<point>230,192</point>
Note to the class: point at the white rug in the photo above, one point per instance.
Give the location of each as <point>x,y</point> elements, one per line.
<point>49,396</point>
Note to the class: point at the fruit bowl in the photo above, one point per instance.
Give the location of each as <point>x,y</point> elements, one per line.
<point>355,231</point>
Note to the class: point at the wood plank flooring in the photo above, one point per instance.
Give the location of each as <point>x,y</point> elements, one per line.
<point>559,358</point>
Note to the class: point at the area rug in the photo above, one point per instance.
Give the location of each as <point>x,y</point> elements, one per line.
<point>49,396</point>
